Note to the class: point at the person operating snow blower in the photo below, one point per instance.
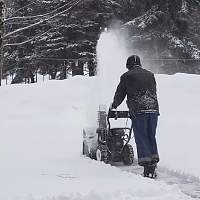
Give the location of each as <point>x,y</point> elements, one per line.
<point>139,86</point>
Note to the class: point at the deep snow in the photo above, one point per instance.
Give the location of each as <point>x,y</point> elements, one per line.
<point>41,143</point>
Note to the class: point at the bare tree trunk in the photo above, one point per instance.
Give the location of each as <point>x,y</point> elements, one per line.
<point>1,39</point>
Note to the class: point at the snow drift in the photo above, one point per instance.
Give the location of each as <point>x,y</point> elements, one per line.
<point>41,142</point>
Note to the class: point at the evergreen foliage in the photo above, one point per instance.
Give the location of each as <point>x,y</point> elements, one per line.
<point>171,28</point>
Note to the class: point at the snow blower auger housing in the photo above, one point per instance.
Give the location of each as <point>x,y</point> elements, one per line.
<point>109,144</point>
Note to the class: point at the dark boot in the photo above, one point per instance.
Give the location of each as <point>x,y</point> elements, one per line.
<point>152,170</point>
<point>149,170</point>
<point>146,170</point>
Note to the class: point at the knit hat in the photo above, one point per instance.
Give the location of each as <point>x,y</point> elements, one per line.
<point>133,61</point>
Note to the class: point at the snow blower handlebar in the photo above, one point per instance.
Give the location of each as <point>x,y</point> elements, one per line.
<point>114,114</point>
<point>118,114</point>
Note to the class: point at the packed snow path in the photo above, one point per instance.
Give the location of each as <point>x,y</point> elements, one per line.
<point>190,185</point>
<point>41,142</point>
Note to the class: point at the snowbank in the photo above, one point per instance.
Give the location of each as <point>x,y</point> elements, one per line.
<point>41,143</point>
<point>179,123</point>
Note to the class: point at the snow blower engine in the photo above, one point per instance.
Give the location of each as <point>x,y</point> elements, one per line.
<point>110,144</point>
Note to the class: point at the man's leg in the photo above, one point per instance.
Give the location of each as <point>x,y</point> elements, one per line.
<point>140,129</point>
<point>152,125</point>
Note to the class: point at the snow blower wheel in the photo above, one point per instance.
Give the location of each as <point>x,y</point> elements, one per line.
<point>102,154</point>
<point>85,150</point>
<point>128,155</point>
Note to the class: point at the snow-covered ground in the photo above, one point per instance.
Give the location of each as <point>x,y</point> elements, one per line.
<point>41,142</point>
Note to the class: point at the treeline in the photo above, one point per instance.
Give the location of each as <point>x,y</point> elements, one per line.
<point>47,36</point>
<point>66,41</point>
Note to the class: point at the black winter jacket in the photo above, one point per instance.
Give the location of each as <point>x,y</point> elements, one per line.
<point>139,86</point>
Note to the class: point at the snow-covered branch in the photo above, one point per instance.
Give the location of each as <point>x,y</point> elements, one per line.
<point>38,16</point>
<point>43,20</point>
<point>27,41</point>
<point>196,1</point>
<point>22,8</point>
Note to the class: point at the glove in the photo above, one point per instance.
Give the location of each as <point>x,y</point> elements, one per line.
<point>112,107</point>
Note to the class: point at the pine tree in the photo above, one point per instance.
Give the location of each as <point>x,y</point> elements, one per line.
<point>1,40</point>
<point>170,27</point>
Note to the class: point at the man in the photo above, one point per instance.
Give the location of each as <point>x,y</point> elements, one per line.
<point>139,86</point>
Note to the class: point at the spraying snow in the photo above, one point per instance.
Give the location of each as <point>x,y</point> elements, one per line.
<point>111,55</point>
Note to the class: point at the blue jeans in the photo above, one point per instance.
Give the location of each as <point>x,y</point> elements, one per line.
<point>144,128</point>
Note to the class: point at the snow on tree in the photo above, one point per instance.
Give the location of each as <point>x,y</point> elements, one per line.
<point>172,30</point>
<point>45,29</point>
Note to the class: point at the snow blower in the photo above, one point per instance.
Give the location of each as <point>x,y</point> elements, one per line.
<point>109,144</point>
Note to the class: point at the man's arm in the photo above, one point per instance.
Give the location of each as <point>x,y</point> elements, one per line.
<point>120,93</point>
